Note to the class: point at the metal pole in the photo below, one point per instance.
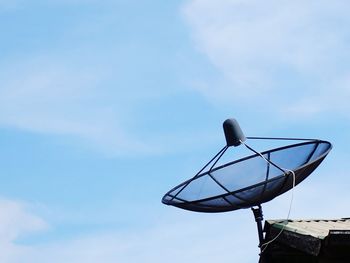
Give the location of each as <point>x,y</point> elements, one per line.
<point>258,219</point>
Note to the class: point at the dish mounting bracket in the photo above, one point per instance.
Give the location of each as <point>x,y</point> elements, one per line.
<point>258,215</point>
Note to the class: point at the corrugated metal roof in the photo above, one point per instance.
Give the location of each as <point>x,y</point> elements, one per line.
<point>316,228</point>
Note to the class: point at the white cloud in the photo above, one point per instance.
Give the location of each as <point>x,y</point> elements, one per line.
<point>334,99</point>
<point>85,78</point>
<point>16,221</point>
<point>92,104</point>
<point>186,239</point>
<point>48,95</point>
<point>175,237</point>
<point>283,52</point>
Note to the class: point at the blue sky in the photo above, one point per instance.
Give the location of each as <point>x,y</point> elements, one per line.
<point>106,106</point>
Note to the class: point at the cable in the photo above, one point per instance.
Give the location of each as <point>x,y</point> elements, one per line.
<point>285,170</point>
<point>265,245</point>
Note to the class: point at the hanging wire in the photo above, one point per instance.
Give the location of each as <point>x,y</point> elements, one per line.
<point>286,172</point>
<point>265,245</point>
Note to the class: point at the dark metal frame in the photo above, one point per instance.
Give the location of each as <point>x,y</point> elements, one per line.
<point>195,204</point>
<point>258,215</point>
<point>234,137</point>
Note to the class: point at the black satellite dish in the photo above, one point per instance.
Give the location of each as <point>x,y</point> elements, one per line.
<point>250,181</point>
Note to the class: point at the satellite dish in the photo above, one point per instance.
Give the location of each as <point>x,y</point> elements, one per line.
<point>250,181</point>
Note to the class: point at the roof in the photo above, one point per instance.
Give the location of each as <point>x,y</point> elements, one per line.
<point>318,228</point>
<point>312,237</point>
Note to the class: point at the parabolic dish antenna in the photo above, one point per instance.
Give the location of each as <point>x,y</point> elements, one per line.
<point>250,181</point>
